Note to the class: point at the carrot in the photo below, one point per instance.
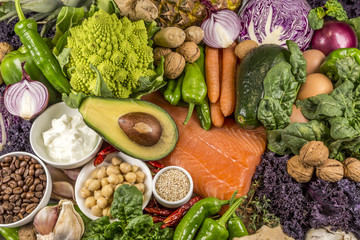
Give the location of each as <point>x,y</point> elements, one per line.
<point>227,95</point>
<point>217,117</point>
<point>212,73</point>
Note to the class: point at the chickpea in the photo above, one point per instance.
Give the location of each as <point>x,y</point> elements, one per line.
<point>87,182</point>
<point>101,173</point>
<point>130,177</point>
<point>134,168</point>
<point>84,192</point>
<point>90,202</point>
<point>113,179</point>
<point>126,183</point>
<point>116,161</point>
<point>102,202</point>
<point>140,175</point>
<point>94,173</point>
<point>120,178</point>
<point>107,191</point>
<point>96,210</point>
<point>112,170</point>
<point>97,194</point>
<point>125,168</point>
<point>104,182</point>
<point>106,212</point>
<point>140,186</point>
<point>94,185</point>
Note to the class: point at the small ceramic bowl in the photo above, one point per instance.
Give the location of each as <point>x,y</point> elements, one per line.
<point>43,123</point>
<point>180,202</point>
<point>86,171</point>
<point>44,200</point>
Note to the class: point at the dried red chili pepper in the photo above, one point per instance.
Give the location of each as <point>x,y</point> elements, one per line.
<point>102,154</point>
<point>157,211</point>
<point>156,164</point>
<point>154,170</point>
<point>176,216</point>
<point>157,219</point>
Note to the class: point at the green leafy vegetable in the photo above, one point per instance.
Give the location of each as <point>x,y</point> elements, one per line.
<point>272,115</point>
<point>355,24</point>
<point>333,9</point>
<point>347,69</point>
<point>297,61</point>
<point>100,87</point>
<point>137,227</point>
<point>94,230</point>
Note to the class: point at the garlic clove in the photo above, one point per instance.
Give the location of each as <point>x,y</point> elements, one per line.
<point>63,189</point>
<point>69,225</point>
<point>45,220</point>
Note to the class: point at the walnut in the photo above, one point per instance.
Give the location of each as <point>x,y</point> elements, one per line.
<point>314,153</point>
<point>160,52</point>
<point>331,170</point>
<point>174,65</point>
<point>352,169</point>
<point>194,34</point>
<point>190,51</point>
<point>244,47</point>
<point>300,172</point>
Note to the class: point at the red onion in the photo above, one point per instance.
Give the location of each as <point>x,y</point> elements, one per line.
<point>26,98</point>
<point>221,27</point>
<point>334,35</point>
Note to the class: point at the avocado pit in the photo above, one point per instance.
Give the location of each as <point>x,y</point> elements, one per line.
<point>142,128</point>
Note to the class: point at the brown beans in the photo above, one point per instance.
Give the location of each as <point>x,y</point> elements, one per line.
<point>22,186</point>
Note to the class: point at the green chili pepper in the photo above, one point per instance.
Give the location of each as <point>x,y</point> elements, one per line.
<point>216,229</point>
<point>201,60</point>
<point>203,113</point>
<point>193,219</point>
<point>11,71</point>
<point>194,88</point>
<point>26,29</point>
<point>172,93</point>
<point>235,226</point>
<point>328,66</point>
<point>10,233</point>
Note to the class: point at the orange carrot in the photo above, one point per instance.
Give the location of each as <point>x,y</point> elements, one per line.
<point>227,95</point>
<point>217,117</point>
<point>212,73</point>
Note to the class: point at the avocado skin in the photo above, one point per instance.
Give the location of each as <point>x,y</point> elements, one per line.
<point>249,82</point>
<point>101,115</point>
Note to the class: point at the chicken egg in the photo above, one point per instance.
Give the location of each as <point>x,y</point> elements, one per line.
<point>313,58</point>
<point>297,116</point>
<point>315,84</point>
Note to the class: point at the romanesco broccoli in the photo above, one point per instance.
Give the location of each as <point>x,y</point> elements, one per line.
<point>118,48</point>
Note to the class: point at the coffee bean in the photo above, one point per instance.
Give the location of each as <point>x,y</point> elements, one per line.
<point>23,164</point>
<point>7,159</point>
<point>16,210</point>
<point>25,200</point>
<point>6,206</point>
<point>27,158</point>
<point>26,173</point>
<point>18,203</point>
<point>34,161</point>
<point>38,166</point>
<point>17,177</point>
<point>39,187</point>
<point>21,157</point>
<point>29,181</point>
<point>31,172</point>
<point>23,195</point>
<point>4,164</point>
<point>32,188</point>
<point>32,167</point>
<point>12,198</point>
<point>24,205</point>
<point>25,188</point>
<point>42,177</point>
<point>2,210</point>
<point>6,179</point>
<point>8,190</point>
<point>39,194</point>
<point>3,187</point>
<point>6,197</point>
<point>22,211</point>
<point>21,171</point>
<point>9,212</point>
<point>18,190</point>
<point>8,219</point>
<point>35,200</point>
<point>6,171</point>
<point>31,207</point>
<point>12,167</point>
<point>20,183</point>
<point>38,172</point>
<point>16,218</point>
<point>12,184</point>
<point>17,163</point>
<point>29,195</point>
<point>37,181</point>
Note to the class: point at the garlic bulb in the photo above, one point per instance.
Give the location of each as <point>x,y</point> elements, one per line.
<point>68,217</point>
<point>327,234</point>
<point>52,225</point>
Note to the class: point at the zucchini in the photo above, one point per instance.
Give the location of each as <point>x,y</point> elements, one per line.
<point>249,82</point>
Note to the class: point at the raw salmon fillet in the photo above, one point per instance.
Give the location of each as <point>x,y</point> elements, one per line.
<point>219,161</point>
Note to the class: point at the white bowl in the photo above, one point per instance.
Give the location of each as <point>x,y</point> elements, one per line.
<point>44,200</point>
<point>86,171</point>
<point>180,202</point>
<point>43,123</point>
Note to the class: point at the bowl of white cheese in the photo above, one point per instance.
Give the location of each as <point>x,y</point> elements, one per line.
<point>60,137</point>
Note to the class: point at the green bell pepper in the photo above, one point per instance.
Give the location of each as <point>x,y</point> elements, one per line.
<point>11,71</point>
<point>10,233</point>
<point>194,88</point>
<point>328,66</point>
<point>216,229</point>
<point>193,219</point>
<point>172,93</point>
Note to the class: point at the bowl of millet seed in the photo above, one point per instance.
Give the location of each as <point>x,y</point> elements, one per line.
<point>172,186</point>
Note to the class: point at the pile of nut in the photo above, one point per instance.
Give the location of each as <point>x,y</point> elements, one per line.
<point>23,184</point>
<point>314,156</point>
<point>99,189</point>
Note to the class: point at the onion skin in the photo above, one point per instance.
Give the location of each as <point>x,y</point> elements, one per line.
<point>334,35</point>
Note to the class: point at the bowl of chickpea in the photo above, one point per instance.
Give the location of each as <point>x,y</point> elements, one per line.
<point>95,186</point>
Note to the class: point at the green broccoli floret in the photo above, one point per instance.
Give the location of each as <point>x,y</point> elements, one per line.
<point>118,48</point>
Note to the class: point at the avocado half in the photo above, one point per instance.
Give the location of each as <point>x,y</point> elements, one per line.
<point>102,114</point>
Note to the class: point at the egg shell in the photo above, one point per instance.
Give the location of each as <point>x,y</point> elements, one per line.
<point>297,116</point>
<point>314,59</point>
<point>315,84</point>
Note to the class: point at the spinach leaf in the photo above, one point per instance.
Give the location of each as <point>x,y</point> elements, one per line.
<point>127,204</point>
<point>114,228</point>
<point>94,230</point>
<point>297,61</point>
<point>297,134</point>
<point>355,24</point>
<point>341,129</point>
<point>138,227</point>
<point>343,94</point>
<point>320,107</point>
<point>340,149</point>
<point>275,142</point>
<point>160,234</point>
<point>272,115</point>
<point>348,70</point>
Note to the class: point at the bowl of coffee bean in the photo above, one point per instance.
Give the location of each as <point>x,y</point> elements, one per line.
<point>25,188</point>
